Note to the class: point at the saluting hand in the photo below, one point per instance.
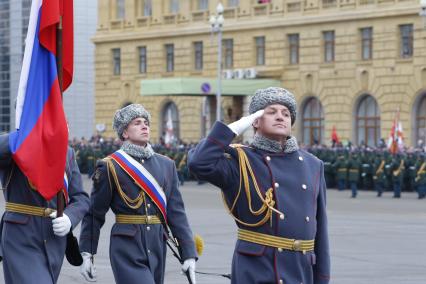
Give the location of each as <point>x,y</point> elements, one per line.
<point>61,225</point>
<point>239,126</point>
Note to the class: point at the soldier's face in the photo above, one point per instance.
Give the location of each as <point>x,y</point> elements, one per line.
<point>275,123</point>
<point>137,132</point>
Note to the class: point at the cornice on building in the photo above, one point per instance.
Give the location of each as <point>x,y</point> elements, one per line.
<point>121,33</point>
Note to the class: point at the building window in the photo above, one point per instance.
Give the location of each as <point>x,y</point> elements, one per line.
<point>293,40</point>
<point>203,4</point>
<point>174,6</point>
<point>368,122</point>
<point>170,57</point>
<point>233,3</point>
<point>116,61</point>
<point>147,8</point>
<point>142,59</point>
<point>170,124</point>
<point>228,45</point>
<point>406,34</point>
<point>367,43</point>
<point>260,50</point>
<point>121,12</point>
<point>198,55</point>
<point>313,122</point>
<point>328,46</point>
<point>421,120</point>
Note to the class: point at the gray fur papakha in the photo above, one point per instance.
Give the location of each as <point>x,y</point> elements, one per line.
<point>273,95</point>
<point>125,115</point>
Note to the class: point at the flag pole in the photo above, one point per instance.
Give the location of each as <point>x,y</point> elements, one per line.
<point>60,202</point>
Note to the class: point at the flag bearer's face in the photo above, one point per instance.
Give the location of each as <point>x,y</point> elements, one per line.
<point>137,132</point>
<point>275,123</point>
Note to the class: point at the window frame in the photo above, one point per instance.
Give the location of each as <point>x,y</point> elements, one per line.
<point>143,63</point>
<point>366,43</point>
<point>198,55</point>
<point>406,40</point>
<point>260,48</point>
<point>329,46</point>
<point>170,57</point>
<point>294,47</point>
<point>116,61</point>
<point>367,120</point>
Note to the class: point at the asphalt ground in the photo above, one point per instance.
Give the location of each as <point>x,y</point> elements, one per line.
<point>372,240</point>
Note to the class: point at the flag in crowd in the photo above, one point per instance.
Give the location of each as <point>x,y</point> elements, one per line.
<point>169,136</point>
<point>42,132</point>
<point>396,136</point>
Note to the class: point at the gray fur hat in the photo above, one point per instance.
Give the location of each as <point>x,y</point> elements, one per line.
<point>273,95</point>
<point>125,115</point>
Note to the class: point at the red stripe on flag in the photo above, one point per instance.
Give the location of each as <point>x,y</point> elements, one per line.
<point>45,146</point>
<point>51,11</point>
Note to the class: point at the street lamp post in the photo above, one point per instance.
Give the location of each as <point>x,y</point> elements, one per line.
<point>423,12</point>
<point>216,22</point>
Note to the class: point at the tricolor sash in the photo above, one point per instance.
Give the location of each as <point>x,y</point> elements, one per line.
<point>66,187</point>
<point>143,179</point>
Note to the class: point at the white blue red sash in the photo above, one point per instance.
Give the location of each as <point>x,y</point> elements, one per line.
<point>143,179</point>
<point>66,187</point>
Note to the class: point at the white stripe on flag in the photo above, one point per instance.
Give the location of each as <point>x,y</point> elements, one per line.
<point>29,43</point>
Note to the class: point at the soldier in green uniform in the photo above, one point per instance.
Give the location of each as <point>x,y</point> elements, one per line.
<point>388,180</point>
<point>353,173</point>
<point>398,169</point>
<point>421,176</point>
<point>411,171</point>
<point>379,176</point>
<point>329,172</point>
<point>367,160</point>
<point>341,168</point>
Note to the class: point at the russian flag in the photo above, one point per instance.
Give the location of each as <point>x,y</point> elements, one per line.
<point>39,145</point>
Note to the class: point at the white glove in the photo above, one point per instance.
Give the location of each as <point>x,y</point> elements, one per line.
<point>189,265</point>
<point>61,225</point>
<point>239,126</point>
<point>88,269</point>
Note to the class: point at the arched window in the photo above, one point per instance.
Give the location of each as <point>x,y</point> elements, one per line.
<point>170,123</point>
<point>368,121</point>
<point>421,120</point>
<point>313,122</point>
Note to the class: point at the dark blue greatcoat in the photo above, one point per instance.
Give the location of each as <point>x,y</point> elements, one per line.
<point>137,252</point>
<point>31,251</point>
<point>299,192</point>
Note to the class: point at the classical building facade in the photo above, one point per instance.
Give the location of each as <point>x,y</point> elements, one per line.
<point>354,65</point>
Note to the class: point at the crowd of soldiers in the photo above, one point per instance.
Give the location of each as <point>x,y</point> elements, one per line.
<point>374,169</point>
<point>344,167</point>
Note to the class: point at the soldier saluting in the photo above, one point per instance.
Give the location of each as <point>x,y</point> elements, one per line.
<point>275,192</point>
<point>141,188</point>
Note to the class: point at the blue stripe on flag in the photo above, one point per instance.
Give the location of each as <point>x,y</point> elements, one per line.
<point>43,64</point>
